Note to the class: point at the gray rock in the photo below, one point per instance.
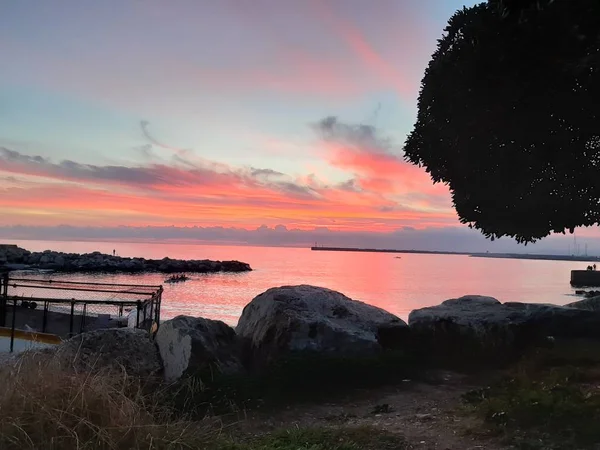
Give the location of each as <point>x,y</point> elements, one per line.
<point>589,304</point>
<point>476,327</point>
<point>308,318</point>
<point>13,254</point>
<point>194,345</point>
<point>112,350</point>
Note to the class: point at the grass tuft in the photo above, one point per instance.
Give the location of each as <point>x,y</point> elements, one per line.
<point>319,438</point>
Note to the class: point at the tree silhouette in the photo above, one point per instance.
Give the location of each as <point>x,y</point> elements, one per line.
<point>509,116</point>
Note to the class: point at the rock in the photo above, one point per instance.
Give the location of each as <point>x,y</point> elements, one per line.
<point>114,350</point>
<point>589,304</point>
<point>194,345</point>
<point>481,328</point>
<point>292,319</point>
<point>13,254</point>
<point>45,259</point>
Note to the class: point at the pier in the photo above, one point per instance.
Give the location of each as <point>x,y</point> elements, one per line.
<point>542,257</point>
<point>585,278</point>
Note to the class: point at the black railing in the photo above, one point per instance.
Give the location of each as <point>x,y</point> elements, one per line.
<point>66,308</point>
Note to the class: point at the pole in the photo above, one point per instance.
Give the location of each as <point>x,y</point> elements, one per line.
<point>3,298</point>
<point>72,318</point>
<point>82,326</point>
<point>160,291</point>
<point>45,318</point>
<point>12,328</point>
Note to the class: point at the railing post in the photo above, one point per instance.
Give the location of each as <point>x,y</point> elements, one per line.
<point>160,291</point>
<point>12,328</point>
<point>83,317</point>
<point>152,300</point>
<point>139,306</point>
<point>3,298</point>
<point>72,318</point>
<point>45,318</point>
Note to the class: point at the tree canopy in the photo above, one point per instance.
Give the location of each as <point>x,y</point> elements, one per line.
<point>509,116</point>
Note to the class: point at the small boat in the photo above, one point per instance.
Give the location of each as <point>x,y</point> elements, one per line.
<point>176,279</point>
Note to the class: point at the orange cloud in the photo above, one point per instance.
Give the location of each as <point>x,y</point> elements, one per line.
<point>207,195</point>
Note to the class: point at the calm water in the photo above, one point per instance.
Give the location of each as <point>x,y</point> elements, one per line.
<point>397,285</point>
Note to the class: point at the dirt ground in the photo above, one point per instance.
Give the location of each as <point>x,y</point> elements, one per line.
<point>429,415</point>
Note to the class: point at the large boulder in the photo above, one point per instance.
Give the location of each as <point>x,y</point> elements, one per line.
<point>292,319</point>
<point>112,350</point>
<point>196,346</point>
<point>589,304</point>
<point>479,328</point>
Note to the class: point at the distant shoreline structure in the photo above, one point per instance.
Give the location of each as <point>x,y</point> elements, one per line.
<point>474,255</point>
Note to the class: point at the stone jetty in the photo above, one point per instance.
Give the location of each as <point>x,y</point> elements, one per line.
<point>17,258</point>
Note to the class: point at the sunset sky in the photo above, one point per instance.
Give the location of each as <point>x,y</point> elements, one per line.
<point>229,113</point>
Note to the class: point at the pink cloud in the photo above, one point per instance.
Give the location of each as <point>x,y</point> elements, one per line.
<point>161,194</point>
<point>402,83</point>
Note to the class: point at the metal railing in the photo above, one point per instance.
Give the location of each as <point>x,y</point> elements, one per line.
<point>66,308</point>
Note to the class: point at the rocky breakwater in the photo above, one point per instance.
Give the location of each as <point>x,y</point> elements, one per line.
<point>13,257</point>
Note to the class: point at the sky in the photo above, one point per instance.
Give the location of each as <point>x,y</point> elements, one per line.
<point>231,115</point>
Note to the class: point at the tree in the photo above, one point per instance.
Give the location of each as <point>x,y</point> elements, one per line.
<point>509,116</point>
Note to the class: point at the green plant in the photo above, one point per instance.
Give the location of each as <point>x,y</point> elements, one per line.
<point>319,438</point>
<point>549,400</point>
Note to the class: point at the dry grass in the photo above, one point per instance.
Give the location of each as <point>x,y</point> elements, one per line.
<point>46,406</point>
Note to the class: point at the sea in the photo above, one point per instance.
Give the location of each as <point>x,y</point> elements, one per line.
<point>398,283</point>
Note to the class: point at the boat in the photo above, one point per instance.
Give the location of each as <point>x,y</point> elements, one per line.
<point>176,279</point>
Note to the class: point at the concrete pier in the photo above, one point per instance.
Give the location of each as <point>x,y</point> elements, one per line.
<point>585,277</point>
